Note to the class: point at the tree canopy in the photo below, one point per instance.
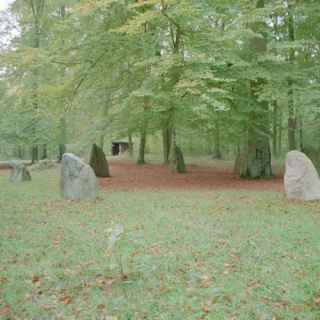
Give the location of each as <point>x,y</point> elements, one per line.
<point>240,75</point>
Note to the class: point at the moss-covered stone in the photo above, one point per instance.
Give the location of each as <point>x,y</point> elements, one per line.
<point>98,162</point>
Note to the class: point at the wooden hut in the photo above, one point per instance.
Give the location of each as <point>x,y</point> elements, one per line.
<point>119,147</point>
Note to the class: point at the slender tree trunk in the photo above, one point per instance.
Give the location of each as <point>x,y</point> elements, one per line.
<point>173,152</point>
<point>130,145</point>
<point>37,8</point>
<point>44,152</point>
<point>101,142</point>
<point>275,129</point>
<point>217,150</point>
<point>63,138</point>
<point>301,142</point>
<point>291,107</point>
<point>166,142</point>
<point>34,154</point>
<point>177,163</point>
<point>291,120</point>
<point>62,148</point>
<point>142,147</point>
<point>280,136</point>
<point>20,152</point>
<point>105,113</point>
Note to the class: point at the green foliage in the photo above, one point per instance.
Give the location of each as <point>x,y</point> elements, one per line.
<point>115,67</point>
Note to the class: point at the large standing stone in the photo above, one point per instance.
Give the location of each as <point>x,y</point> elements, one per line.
<point>78,180</point>
<point>19,172</point>
<point>98,162</point>
<point>301,180</point>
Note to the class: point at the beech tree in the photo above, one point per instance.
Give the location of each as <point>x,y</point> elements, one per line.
<point>242,75</point>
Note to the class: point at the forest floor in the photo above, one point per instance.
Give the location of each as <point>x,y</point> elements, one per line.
<point>215,175</point>
<point>200,248</point>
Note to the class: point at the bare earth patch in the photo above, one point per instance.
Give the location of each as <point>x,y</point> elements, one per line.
<point>127,175</point>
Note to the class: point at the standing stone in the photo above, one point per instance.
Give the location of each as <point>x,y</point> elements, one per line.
<point>19,172</point>
<point>301,180</point>
<point>78,180</point>
<point>98,162</point>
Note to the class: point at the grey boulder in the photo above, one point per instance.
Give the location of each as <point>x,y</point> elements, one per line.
<point>19,172</point>
<point>78,181</point>
<point>301,180</point>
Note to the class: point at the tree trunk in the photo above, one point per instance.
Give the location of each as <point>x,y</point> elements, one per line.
<point>258,157</point>
<point>254,156</point>
<point>291,107</point>
<point>275,129</point>
<point>177,163</point>
<point>258,150</point>
<point>130,145</point>
<point>291,121</point>
<point>101,142</point>
<point>142,147</point>
<point>20,152</point>
<point>240,165</point>
<point>217,150</point>
<point>44,152</point>
<point>34,154</point>
<point>62,149</point>
<point>63,138</point>
<point>280,136</point>
<point>301,141</point>
<point>166,142</point>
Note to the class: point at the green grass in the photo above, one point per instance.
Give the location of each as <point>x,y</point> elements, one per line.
<point>187,255</point>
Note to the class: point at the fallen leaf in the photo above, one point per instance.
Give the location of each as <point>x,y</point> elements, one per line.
<point>65,300</point>
<point>317,300</point>
<point>296,309</point>
<point>5,311</point>
<point>103,282</point>
<point>205,281</point>
<point>35,279</point>
<point>46,306</point>
<point>205,310</point>
<point>135,253</point>
<point>124,277</point>
<point>3,280</point>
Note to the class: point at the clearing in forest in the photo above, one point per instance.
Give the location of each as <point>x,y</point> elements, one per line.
<point>126,175</point>
<point>186,253</point>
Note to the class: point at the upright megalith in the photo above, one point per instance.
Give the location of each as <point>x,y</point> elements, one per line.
<point>301,180</point>
<point>98,162</point>
<point>78,181</point>
<point>19,172</point>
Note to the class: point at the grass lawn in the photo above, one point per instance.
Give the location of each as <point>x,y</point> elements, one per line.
<point>185,255</point>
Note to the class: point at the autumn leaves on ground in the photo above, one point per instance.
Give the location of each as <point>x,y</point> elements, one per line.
<point>204,245</point>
